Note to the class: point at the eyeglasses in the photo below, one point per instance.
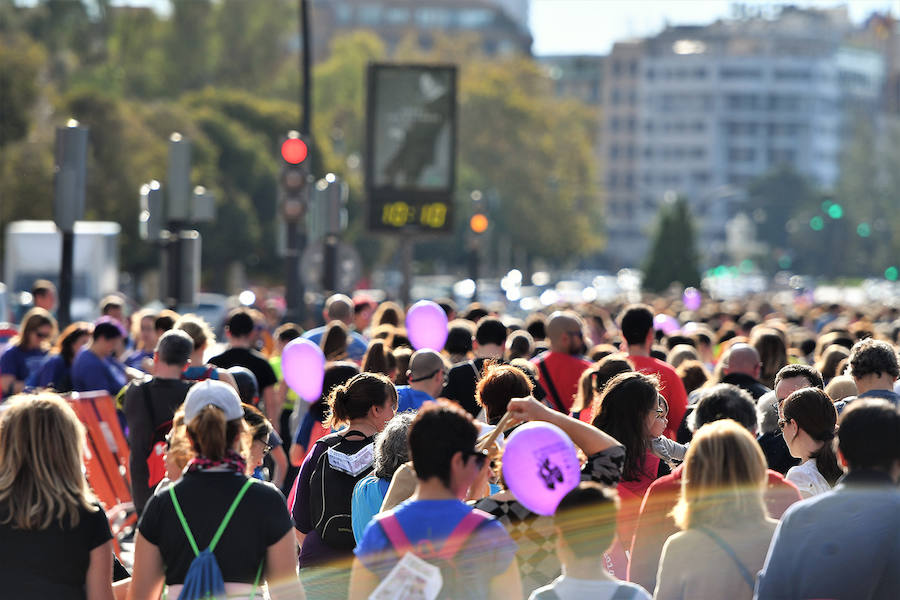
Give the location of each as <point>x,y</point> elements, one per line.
<point>782,423</point>
<point>266,448</point>
<point>481,456</point>
<point>661,413</point>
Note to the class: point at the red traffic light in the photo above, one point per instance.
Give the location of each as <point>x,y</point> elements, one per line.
<point>294,151</point>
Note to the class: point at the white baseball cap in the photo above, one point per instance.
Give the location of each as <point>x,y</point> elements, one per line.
<point>210,392</point>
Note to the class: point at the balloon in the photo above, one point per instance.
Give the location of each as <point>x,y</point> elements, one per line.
<point>666,323</point>
<point>540,466</point>
<point>426,326</point>
<point>692,298</point>
<point>303,366</point>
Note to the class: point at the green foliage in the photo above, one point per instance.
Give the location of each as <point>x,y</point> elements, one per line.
<point>225,74</point>
<point>20,61</point>
<point>672,257</point>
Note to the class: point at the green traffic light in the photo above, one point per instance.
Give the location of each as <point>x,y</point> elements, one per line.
<point>863,230</point>
<point>817,223</point>
<point>835,211</point>
<point>891,273</point>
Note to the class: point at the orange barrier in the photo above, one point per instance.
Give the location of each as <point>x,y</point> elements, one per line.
<point>106,459</point>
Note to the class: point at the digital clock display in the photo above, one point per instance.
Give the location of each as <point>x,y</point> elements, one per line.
<point>427,216</point>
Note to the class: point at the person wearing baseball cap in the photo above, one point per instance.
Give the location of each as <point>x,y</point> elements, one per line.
<point>257,543</point>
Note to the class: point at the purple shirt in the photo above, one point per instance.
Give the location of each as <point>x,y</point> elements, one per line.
<point>314,551</point>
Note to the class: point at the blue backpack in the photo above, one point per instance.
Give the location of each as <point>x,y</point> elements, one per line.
<point>204,579</point>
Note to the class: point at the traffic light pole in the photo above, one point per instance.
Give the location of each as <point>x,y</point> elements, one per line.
<point>65,278</point>
<point>295,238</point>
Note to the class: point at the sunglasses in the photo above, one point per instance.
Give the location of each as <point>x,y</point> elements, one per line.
<point>481,456</point>
<point>430,375</point>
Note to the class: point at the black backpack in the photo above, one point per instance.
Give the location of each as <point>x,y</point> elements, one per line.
<point>331,486</point>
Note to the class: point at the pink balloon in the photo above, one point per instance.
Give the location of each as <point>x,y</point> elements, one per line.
<point>540,466</point>
<point>666,323</point>
<point>692,298</point>
<point>426,326</point>
<point>303,367</point>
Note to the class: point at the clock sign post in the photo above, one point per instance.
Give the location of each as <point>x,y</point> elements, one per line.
<point>410,160</point>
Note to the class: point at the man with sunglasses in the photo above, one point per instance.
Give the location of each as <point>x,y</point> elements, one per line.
<point>473,551</point>
<point>426,376</point>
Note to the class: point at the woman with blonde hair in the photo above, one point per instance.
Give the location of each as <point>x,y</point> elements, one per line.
<point>56,539</point>
<point>726,531</point>
<point>26,351</point>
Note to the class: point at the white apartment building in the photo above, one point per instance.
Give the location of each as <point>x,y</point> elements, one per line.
<point>702,111</point>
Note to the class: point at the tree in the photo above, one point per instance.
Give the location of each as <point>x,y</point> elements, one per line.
<point>673,256</point>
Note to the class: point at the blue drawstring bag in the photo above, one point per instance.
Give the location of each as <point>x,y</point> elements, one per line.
<point>204,579</point>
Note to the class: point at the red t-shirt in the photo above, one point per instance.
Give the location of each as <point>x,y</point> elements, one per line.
<point>654,525</point>
<point>565,370</point>
<point>670,387</point>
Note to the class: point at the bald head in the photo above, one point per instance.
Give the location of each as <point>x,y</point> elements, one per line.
<point>339,308</point>
<point>743,358</point>
<point>564,330</point>
<point>426,372</point>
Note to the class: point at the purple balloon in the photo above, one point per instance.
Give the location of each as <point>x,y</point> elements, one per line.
<point>426,326</point>
<point>303,367</point>
<point>540,466</point>
<point>666,323</point>
<point>692,298</point>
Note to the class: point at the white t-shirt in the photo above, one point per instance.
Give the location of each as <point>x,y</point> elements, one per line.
<point>808,479</point>
<point>569,588</point>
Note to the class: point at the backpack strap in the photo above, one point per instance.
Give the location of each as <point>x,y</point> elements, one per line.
<point>395,534</point>
<point>545,377</point>
<point>745,573</point>
<point>222,526</point>
<point>461,533</point>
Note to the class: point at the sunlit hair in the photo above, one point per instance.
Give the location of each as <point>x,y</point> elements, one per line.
<point>212,436</point>
<point>197,328</point>
<point>41,477</point>
<point>334,341</point>
<point>392,445</point>
<point>498,385</point>
<point>353,399</point>
<point>65,343</point>
<point>724,475</point>
<point>33,320</point>
<point>179,450</point>
<point>388,313</point>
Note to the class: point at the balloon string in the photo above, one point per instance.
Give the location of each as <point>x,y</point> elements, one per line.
<point>492,437</point>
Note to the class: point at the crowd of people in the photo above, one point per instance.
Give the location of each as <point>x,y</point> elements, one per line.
<point>753,451</point>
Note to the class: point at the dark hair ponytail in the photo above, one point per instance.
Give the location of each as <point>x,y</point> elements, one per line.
<point>815,414</point>
<point>354,399</point>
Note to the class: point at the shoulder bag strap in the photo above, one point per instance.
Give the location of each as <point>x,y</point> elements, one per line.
<point>545,377</point>
<point>745,573</point>
<point>395,534</point>
<point>461,533</point>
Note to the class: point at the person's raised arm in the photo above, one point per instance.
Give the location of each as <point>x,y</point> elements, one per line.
<point>587,437</point>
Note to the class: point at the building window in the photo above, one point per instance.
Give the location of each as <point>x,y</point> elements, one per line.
<point>739,73</point>
<point>370,14</point>
<point>433,17</point>
<point>474,18</point>
<point>736,154</point>
<point>396,16</point>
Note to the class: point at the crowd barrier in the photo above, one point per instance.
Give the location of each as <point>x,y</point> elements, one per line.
<point>106,459</point>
